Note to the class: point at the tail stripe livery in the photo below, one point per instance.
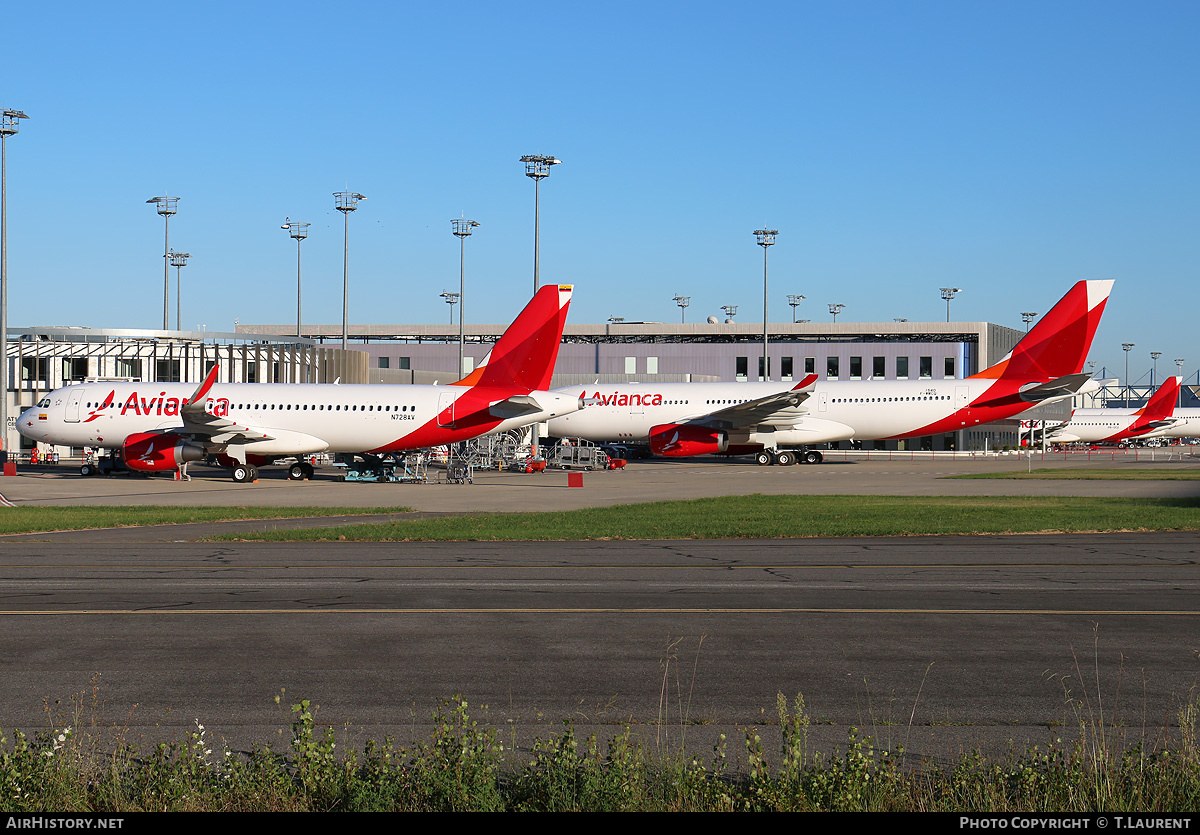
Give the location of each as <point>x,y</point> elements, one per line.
<point>524,356</point>
<point>1058,344</point>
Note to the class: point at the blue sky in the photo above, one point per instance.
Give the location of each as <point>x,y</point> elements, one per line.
<point>1009,149</point>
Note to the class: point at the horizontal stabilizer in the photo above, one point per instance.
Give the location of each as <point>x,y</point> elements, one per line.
<point>1066,386</point>
<point>516,406</point>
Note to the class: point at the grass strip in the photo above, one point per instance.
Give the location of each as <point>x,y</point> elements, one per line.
<point>761,516</point>
<point>462,766</point>
<point>36,519</point>
<point>1148,474</point>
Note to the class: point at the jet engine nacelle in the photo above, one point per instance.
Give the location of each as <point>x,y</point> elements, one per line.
<point>684,439</point>
<point>154,452</point>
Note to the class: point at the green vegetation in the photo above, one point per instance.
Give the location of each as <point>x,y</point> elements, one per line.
<point>1147,474</point>
<point>463,766</point>
<point>759,516</point>
<point>32,519</point>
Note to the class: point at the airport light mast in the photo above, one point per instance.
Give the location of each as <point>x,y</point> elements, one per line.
<point>794,300</point>
<point>1127,347</point>
<point>462,230</point>
<point>346,202</point>
<point>537,168</point>
<point>452,299</point>
<point>766,237</point>
<point>1179,371</point>
<point>1027,318</point>
<point>683,302</point>
<point>1154,355</point>
<point>730,310</point>
<point>167,206</point>
<point>178,260</point>
<point>835,309</point>
<point>9,125</point>
<point>948,293</point>
<point>299,231</point>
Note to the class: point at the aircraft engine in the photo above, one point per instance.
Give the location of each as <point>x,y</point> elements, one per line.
<point>155,452</point>
<point>682,440</point>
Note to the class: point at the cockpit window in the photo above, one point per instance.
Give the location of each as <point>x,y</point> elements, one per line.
<point>44,403</point>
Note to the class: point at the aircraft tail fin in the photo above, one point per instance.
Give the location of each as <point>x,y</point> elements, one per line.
<point>525,354</point>
<point>1058,344</point>
<point>1162,403</point>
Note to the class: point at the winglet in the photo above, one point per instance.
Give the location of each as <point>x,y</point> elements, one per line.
<point>203,389</point>
<point>806,383</point>
<point>524,356</point>
<point>1058,344</point>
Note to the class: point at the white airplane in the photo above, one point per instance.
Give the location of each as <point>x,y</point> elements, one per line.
<point>1092,425</point>
<point>1185,423</point>
<point>159,427</point>
<point>769,419</point>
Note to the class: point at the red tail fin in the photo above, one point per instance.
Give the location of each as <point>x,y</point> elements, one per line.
<point>1058,344</point>
<point>524,356</point>
<point>1162,403</point>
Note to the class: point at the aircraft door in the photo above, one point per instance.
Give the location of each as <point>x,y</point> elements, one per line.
<point>962,397</point>
<point>445,416</point>
<point>823,401</point>
<point>73,401</point>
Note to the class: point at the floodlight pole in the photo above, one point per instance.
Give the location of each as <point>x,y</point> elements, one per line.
<point>1026,318</point>
<point>948,293</point>
<point>299,231</point>
<point>835,309</point>
<point>794,300</point>
<point>683,302</point>
<point>178,260</point>
<point>452,299</point>
<point>537,168</point>
<point>9,125</point>
<point>1179,371</point>
<point>346,202</point>
<point>1127,347</point>
<point>766,237</point>
<point>167,206</point>
<point>1154,355</point>
<point>462,230</point>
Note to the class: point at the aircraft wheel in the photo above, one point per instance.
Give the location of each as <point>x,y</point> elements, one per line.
<point>296,472</point>
<point>242,474</point>
<point>785,458</point>
<point>764,458</point>
<point>308,470</point>
<point>813,457</point>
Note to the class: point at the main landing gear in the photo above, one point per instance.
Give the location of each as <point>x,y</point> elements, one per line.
<point>300,470</point>
<point>787,457</point>
<point>244,473</point>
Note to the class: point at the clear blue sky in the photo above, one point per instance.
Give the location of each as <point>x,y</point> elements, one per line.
<point>1009,149</point>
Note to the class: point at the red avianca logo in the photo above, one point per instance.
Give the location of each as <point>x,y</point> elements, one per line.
<point>159,405</point>
<point>616,399</point>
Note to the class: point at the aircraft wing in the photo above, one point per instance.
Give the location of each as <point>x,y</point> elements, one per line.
<point>780,406</point>
<point>199,423</point>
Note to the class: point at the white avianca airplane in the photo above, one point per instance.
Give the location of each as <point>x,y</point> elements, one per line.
<point>159,427</point>
<point>1091,425</point>
<point>684,419</point>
